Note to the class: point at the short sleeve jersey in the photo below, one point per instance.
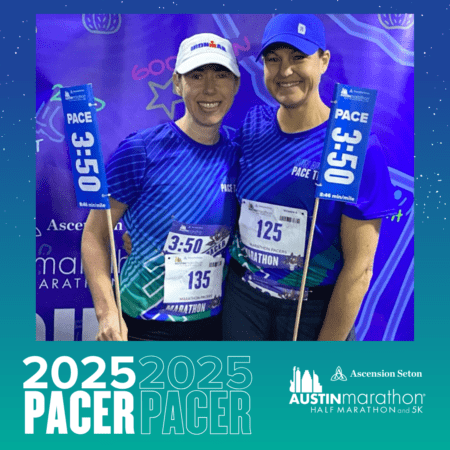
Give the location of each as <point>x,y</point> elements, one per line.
<point>276,190</point>
<point>181,202</point>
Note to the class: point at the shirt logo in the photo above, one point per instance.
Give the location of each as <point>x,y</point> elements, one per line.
<point>228,187</point>
<point>301,29</point>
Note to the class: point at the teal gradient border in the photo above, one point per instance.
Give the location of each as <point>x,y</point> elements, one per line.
<point>274,422</point>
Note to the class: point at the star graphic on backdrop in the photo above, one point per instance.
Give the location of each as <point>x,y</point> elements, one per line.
<point>153,104</point>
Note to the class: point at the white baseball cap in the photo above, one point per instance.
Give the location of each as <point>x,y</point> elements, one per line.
<point>205,48</point>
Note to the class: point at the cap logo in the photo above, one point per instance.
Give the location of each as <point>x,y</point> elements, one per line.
<point>211,44</point>
<point>301,29</point>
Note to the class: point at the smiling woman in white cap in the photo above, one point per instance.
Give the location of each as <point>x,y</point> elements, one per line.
<point>281,150</point>
<point>168,184</point>
<point>207,77</point>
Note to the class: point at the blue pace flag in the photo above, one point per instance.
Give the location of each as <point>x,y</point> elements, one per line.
<point>346,141</point>
<point>83,139</point>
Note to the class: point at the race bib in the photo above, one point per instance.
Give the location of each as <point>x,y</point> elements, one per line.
<point>273,235</point>
<point>194,265</point>
<point>193,278</point>
<point>185,238</point>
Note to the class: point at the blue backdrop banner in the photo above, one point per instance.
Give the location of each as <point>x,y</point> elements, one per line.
<point>130,60</point>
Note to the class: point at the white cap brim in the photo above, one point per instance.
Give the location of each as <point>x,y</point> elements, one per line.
<point>204,58</point>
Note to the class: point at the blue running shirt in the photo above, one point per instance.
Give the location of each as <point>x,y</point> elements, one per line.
<point>181,214</point>
<point>276,190</point>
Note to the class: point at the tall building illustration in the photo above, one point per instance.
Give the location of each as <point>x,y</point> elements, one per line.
<point>305,384</point>
<point>316,385</point>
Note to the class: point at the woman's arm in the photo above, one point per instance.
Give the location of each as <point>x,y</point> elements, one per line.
<point>359,240</point>
<point>96,257</point>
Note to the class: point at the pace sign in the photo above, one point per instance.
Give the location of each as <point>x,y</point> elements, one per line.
<point>346,143</point>
<point>83,139</point>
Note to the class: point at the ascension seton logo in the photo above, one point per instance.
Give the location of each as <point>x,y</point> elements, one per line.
<point>306,389</point>
<point>338,376</point>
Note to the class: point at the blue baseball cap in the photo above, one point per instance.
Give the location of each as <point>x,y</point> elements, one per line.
<point>303,31</point>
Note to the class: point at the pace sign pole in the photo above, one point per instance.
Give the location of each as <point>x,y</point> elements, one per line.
<point>343,158</point>
<point>83,139</point>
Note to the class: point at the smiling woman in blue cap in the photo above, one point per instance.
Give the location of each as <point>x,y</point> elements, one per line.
<point>281,152</point>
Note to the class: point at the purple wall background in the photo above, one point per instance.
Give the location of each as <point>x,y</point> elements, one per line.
<point>129,59</point>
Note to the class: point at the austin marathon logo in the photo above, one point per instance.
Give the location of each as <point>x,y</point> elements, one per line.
<point>307,391</point>
<point>305,383</point>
